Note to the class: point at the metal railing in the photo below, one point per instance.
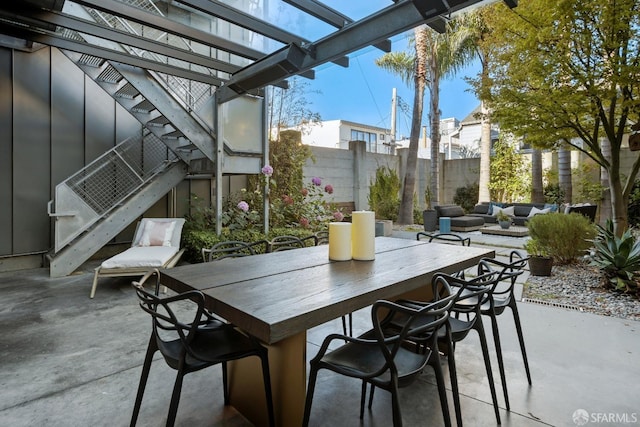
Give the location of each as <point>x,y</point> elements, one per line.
<point>112,177</point>
<point>91,194</point>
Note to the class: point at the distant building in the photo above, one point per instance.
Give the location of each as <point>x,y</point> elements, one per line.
<point>458,138</point>
<point>469,131</point>
<point>338,133</point>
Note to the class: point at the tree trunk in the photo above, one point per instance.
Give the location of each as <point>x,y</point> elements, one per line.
<point>537,192</point>
<point>485,155</point>
<point>564,172</point>
<point>605,206</point>
<point>434,115</point>
<point>405,215</point>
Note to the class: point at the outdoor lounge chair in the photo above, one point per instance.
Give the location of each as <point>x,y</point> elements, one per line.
<point>156,244</point>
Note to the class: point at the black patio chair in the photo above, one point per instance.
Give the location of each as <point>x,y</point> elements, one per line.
<point>227,249</point>
<point>450,238</point>
<point>445,238</point>
<point>501,296</point>
<point>322,237</point>
<point>191,345</point>
<point>381,359</point>
<point>285,243</point>
<point>469,296</point>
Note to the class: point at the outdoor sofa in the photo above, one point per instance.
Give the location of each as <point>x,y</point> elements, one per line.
<point>521,212</point>
<point>459,220</point>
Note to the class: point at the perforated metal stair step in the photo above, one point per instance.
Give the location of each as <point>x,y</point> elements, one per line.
<point>91,61</point>
<point>127,91</point>
<point>144,107</point>
<point>160,121</point>
<point>174,135</point>
<point>109,75</point>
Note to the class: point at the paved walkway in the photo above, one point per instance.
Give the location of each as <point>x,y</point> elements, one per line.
<point>71,361</point>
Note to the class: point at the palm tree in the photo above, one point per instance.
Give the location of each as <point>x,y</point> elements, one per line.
<point>436,56</point>
<point>477,25</point>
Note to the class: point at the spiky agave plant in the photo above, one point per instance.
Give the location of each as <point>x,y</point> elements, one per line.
<point>618,258</point>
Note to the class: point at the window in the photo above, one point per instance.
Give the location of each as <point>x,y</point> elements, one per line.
<point>370,138</point>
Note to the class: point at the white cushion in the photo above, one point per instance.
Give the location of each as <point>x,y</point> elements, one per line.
<point>536,211</point>
<point>159,232</point>
<point>509,211</point>
<point>141,256</point>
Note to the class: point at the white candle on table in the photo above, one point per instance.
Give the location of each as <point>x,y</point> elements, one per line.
<point>363,235</point>
<point>339,241</point>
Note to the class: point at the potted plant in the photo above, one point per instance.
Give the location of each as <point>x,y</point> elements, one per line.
<point>429,215</point>
<point>503,219</point>
<point>540,262</point>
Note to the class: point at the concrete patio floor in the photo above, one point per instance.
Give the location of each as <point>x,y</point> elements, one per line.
<point>68,360</point>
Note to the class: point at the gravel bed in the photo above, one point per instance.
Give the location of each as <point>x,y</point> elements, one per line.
<point>579,287</point>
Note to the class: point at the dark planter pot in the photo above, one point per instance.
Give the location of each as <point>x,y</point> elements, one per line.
<point>540,265</point>
<point>430,219</point>
<point>504,224</point>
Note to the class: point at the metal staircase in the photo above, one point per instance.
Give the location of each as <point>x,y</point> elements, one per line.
<point>94,205</point>
<point>145,99</point>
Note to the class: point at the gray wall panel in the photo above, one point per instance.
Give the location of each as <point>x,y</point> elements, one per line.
<point>6,153</point>
<point>31,160</point>
<point>100,119</point>
<point>126,125</point>
<point>67,118</point>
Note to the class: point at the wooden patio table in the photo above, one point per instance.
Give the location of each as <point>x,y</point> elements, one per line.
<point>277,297</point>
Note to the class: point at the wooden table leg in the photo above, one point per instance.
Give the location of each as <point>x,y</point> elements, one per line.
<point>287,363</point>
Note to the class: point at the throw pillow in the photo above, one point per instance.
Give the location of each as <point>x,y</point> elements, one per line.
<point>157,233</point>
<point>552,207</point>
<point>492,205</point>
<point>536,211</point>
<point>509,211</point>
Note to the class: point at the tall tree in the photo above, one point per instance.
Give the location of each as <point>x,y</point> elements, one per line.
<point>570,72</point>
<point>290,108</point>
<point>478,25</point>
<point>435,56</point>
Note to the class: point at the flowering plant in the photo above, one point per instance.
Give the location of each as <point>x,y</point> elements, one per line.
<point>238,215</point>
<point>305,208</point>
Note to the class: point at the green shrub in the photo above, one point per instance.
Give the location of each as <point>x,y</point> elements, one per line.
<point>564,237</point>
<point>618,258</point>
<point>553,194</point>
<point>467,197</point>
<point>384,194</point>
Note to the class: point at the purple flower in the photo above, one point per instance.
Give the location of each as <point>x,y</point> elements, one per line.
<point>316,180</point>
<point>328,188</point>
<point>338,216</point>
<point>243,206</point>
<point>267,170</point>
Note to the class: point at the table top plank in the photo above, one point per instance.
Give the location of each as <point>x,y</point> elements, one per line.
<point>233,270</point>
<point>293,298</point>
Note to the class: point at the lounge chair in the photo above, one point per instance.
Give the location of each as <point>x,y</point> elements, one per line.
<point>156,244</point>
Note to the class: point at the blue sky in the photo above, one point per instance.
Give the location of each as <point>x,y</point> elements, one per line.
<point>362,92</point>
